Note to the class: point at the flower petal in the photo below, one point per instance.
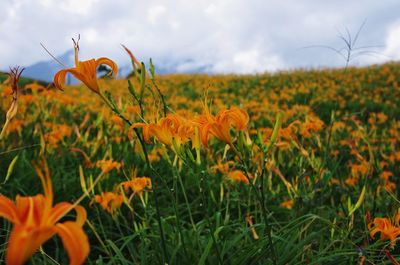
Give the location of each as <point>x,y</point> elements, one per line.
<point>24,241</point>
<point>61,209</point>
<point>80,215</point>
<point>59,78</point>
<point>30,209</point>
<point>8,210</point>
<point>75,241</point>
<point>108,62</point>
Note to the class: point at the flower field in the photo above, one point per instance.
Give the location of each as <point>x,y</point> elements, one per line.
<point>299,167</point>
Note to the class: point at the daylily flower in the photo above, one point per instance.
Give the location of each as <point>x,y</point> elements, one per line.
<point>171,130</point>
<point>86,71</point>
<point>163,130</point>
<point>238,176</point>
<point>388,229</point>
<point>109,201</point>
<point>287,204</point>
<point>108,165</point>
<point>221,124</point>
<point>137,185</point>
<point>223,168</point>
<point>36,221</point>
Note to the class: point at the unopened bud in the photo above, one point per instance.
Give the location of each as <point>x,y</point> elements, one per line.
<point>13,110</point>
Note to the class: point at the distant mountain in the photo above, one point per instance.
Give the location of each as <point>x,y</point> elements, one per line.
<point>45,70</point>
<point>188,66</point>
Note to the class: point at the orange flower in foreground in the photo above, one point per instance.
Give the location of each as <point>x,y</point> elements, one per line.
<point>388,229</point>
<point>86,71</point>
<point>36,221</point>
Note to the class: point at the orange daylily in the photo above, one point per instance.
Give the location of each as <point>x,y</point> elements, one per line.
<point>388,229</point>
<point>163,130</point>
<point>36,221</point>
<point>109,201</point>
<point>170,130</point>
<point>220,125</point>
<point>137,185</point>
<point>85,71</point>
<point>108,165</point>
<point>287,204</point>
<point>238,176</point>
<point>223,168</point>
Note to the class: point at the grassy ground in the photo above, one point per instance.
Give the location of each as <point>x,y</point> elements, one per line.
<point>306,197</point>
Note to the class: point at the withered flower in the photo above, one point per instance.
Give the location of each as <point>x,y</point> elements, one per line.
<point>14,75</point>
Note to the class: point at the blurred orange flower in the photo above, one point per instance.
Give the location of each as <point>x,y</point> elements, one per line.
<point>108,165</point>
<point>109,201</point>
<point>36,221</point>
<point>238,176</point>
<point>287,204</point>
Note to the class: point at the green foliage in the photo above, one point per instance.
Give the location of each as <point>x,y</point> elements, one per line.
<point>194,214</point>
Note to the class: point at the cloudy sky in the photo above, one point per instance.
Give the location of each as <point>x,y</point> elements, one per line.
<point>219,36</point>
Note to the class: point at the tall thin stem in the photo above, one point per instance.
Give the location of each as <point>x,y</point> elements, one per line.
<point>155,191</point>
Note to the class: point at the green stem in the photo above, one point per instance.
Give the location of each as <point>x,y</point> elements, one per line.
<point>209,222</point>
<point>262,204</point>
<point>155,191</point>
<point>187,202</point>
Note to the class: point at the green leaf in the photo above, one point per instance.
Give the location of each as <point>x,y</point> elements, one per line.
<point>206,252</point>
<point>151,69</point>
<point>142,81</point>
<point>359,201</point>
<point>10,169</point>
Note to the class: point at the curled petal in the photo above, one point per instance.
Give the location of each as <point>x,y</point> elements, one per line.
<point>59,78</point>
<point>81,215</point>
<point>58,212</point>
<point>74,240</point>
<point>110,63</point>
<point>146,130</point>
<point>373,232</point>
<point>8,210</point>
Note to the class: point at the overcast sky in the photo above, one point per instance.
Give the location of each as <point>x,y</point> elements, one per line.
<point>219,36</point>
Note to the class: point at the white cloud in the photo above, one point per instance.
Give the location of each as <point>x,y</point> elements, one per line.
<point>393,42</point>
<point>80,7</point>
<point>155,13</point>
<point>220,36</point>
